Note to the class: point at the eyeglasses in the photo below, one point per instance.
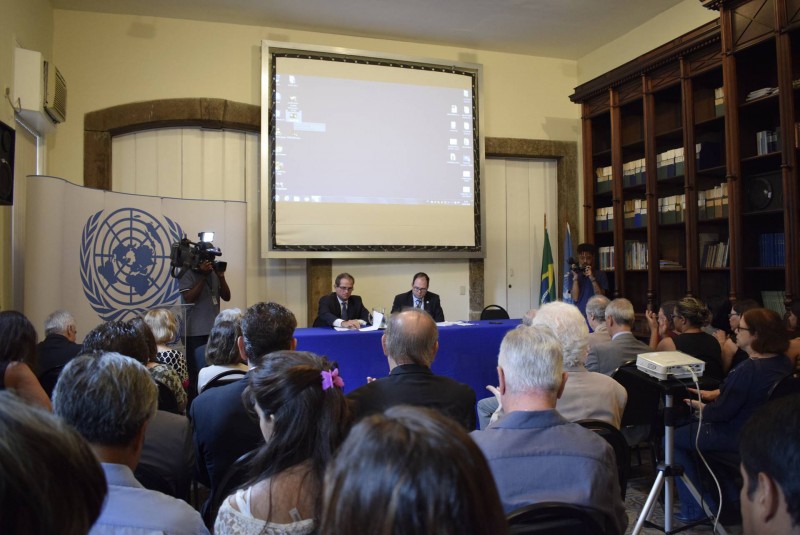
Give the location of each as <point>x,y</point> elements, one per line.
<point>345,288</point>
<point>740,328</point>
<point>418,289</point>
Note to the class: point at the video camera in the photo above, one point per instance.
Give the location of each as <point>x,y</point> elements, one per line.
<point>187,255</point>
<point>575,266</point>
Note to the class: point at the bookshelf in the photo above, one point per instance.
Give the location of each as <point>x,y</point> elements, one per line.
<point>690,161</point>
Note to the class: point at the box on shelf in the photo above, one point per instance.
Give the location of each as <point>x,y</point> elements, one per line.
<point>719,102</point>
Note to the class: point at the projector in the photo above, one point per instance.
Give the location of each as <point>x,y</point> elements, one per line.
<point>664,365</point>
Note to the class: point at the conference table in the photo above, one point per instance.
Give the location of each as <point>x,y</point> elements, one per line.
<point>467,353</point>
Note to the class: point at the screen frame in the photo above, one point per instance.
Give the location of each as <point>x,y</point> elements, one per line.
<point>269,249</point>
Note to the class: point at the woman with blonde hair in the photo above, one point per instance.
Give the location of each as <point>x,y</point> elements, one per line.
<point>164,325</point>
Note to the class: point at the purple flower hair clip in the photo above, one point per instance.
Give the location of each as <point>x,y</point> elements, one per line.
<point>331,378</point>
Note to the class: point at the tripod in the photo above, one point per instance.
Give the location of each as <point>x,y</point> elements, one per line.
<point>667,471</point>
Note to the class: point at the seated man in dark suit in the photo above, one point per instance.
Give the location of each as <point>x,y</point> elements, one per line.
<point>58,346</point>
<point>224,430</point>
<point>410,344</point>
<point>420,297</point>
<point>341,308</point>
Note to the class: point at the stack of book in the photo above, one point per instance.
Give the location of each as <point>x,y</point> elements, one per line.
<point>759,93</point>
<point>603,179</point>
<point>713,203</point>
<point>604,219</point>
<point>633,173</point>
<point>670,163</point>
<point>606,258</point>
<point>772,250</point>
<point>635,213</point>
<point>768,141</point>
<point>671,209</point>
<point>719,102</point>
<point>669,264</point>
<point>635,254</point>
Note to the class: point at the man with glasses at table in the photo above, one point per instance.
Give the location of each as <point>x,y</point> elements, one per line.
<point>420,297</point>
<point>341,308</point>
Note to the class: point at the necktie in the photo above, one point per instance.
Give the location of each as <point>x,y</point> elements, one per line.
<point>344,310</point>
<point>417,303</point>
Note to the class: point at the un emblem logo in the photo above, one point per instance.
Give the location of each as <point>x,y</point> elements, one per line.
<point>125,263</point>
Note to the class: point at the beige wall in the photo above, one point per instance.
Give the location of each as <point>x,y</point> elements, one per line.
<point>670,24</point>
<point>114,59</point>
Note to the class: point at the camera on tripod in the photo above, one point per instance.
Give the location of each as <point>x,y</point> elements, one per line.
<point>187,255</point>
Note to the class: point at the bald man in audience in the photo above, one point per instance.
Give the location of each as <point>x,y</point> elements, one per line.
<point>586,395</point>
<point>623,346</point>
<point>535,454</point>
<point>410,343</point>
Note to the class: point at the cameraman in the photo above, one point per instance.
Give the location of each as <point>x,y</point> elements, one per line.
<point>586,281</point>
<point>203,287</point>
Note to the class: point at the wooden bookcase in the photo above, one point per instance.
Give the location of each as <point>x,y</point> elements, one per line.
<point>696,143</point>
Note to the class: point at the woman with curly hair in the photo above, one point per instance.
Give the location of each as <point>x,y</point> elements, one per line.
<point>164,325</point>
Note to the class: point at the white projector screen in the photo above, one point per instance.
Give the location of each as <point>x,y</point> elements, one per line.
<point>371,155</point>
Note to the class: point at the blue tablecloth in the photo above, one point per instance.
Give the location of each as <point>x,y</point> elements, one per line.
<point>467,353</point>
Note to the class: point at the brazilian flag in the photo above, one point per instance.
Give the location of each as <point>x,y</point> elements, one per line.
<point>547,292</point>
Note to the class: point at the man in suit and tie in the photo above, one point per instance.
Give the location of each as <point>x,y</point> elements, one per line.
<point>341,308</point>
<point>420,297</point>
<point>608,356</point>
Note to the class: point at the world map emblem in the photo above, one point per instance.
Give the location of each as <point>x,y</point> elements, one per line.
<point>125,262</point>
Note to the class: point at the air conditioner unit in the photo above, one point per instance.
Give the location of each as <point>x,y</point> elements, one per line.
<point>40,91</point>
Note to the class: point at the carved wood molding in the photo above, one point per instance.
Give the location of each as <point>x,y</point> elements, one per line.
<point>101,125</point>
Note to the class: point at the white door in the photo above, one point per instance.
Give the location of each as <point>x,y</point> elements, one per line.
<point>519,194</point>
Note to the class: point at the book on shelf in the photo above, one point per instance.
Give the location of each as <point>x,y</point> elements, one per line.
<point>719,102</point>
<point>606,258</point>
<point>772,250</point>
<point>635,254</point>
<point>667,264</point>
<point>774,300</point>
<point>759,93</point>
<point>767,141</point>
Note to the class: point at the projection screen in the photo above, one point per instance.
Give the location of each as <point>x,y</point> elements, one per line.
<point>366,156</point>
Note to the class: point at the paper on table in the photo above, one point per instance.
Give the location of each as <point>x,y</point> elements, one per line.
<point>377,320</point>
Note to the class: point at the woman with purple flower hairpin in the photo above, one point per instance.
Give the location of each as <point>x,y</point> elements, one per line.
<point>303,416</point>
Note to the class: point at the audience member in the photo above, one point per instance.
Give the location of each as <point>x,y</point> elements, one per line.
<point>164,325</point>
<point>58,346</point>
<point>623,346</point>
<point>586,395</point>
<point>410,343</point>
<point>341,308</point>
<point>168,451</point>
<point>199,355</point>
<point>303,417</point>
<point>732,354</point>
<point>410,470</point>
<point>223,428</point>
<point>661,324</point>
<point>222,355</point>
<point>689,317</point>
<point>162,374</point>
<point>420,297</point>
<point>770,452</point>
<point>596,317</point>
<point>762,335</point>
<point>50,481</point>
<point>18,358</point>
<point>109,398</point>
<point>534,453</point>
<point>588,281</point>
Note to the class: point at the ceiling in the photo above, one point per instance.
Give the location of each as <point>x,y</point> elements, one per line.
<point>567,29</point>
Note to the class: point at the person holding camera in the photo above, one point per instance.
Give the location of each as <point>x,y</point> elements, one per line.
<point>203,287</point>
<point>585,280</point>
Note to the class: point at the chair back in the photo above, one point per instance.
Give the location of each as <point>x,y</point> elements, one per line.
<point>223,378</point>
<point>166,399</point>
<point>643,400</point>
<point>234,478</point>
<point>494,312</point>
<point>622,452</point>
<point>554,518</point>
<point>787,386</point>
<point>49,378</point>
